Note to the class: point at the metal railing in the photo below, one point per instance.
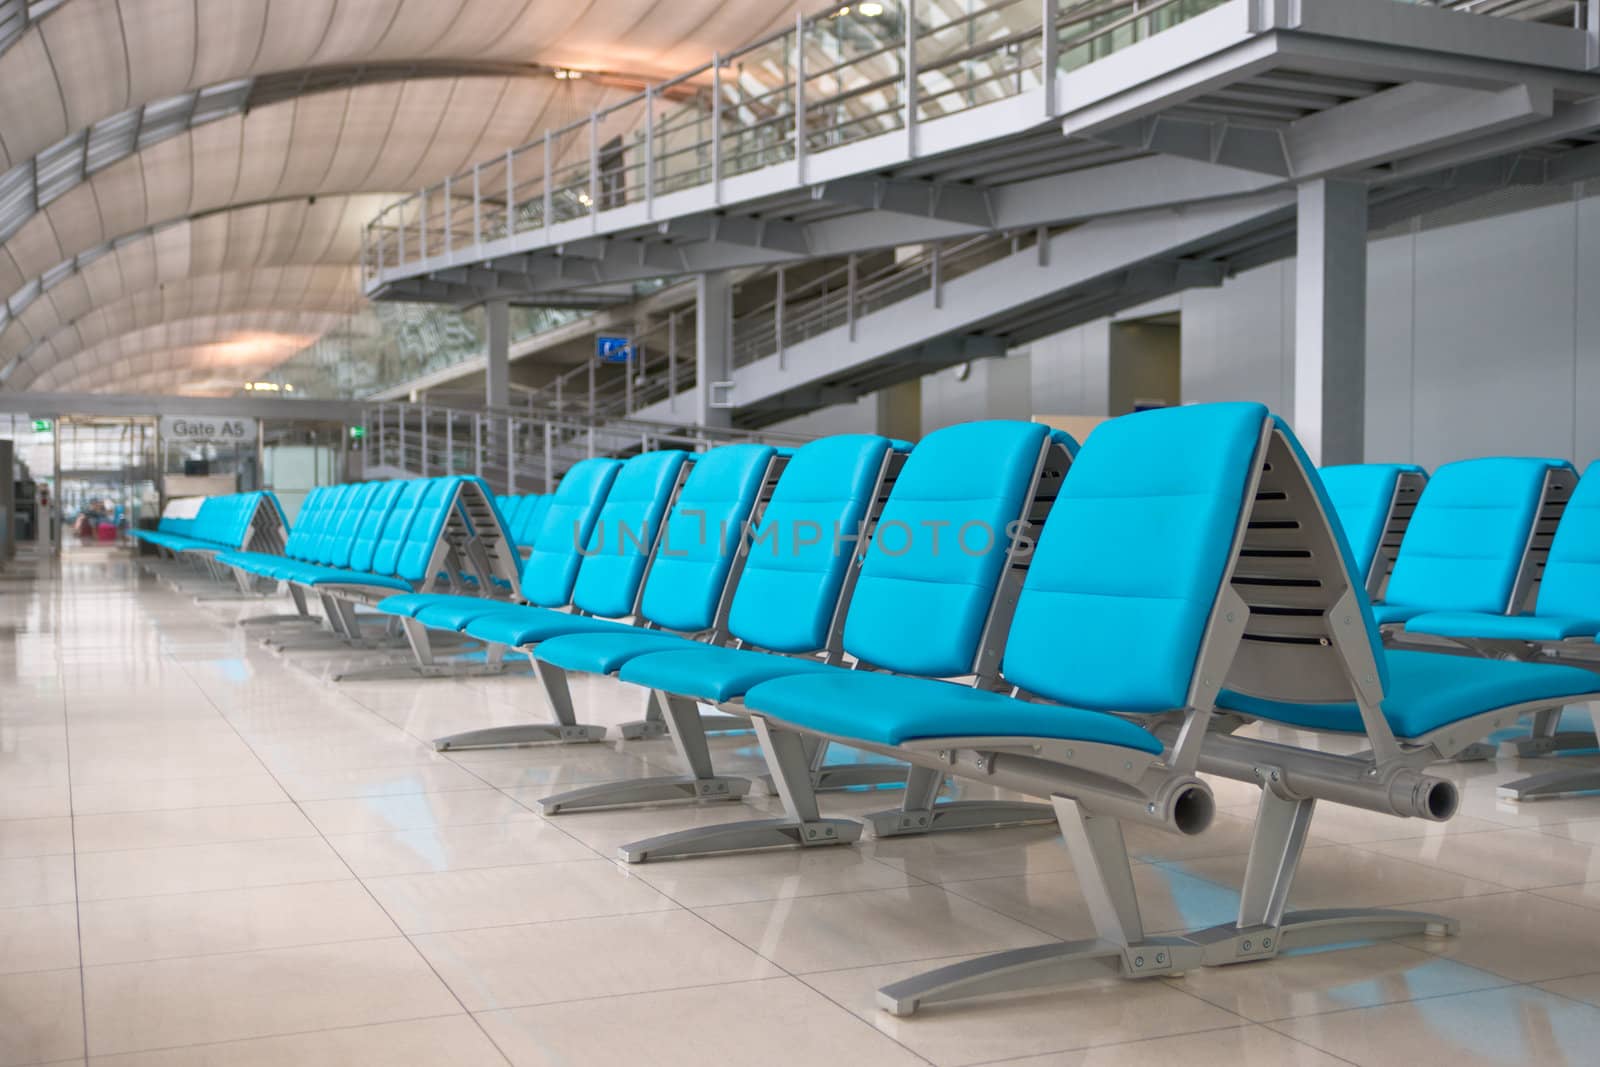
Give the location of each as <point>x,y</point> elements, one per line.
<point>516,451</point>
<point>850,73</point>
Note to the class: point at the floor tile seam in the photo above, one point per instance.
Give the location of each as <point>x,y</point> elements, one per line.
<point>196,844</point>
<point>1245,1025</point>
<point>263,1037</point>
<point>77,900</point>
<point>1501,983</point>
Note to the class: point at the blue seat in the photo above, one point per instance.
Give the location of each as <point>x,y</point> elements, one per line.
<point>548,573</point>
<point>1568,604</point>
<point>1468,539</point>
<point>1366,497</point>
<point>1104,623</point>
<point>314,510</point>
<point>1428,691</point>
<point>915,609</point>
<point>824,485</point>
<point>614,557</point>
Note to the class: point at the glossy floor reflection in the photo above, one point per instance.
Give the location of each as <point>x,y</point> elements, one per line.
<point>210,854</point>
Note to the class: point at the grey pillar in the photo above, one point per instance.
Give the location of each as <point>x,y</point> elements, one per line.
<point>900,410</point>
<point>713,357</point>
<point>497,370</point>
<point>1330,330</point>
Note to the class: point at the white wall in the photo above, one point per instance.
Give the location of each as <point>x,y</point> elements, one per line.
<point>1483,338</point>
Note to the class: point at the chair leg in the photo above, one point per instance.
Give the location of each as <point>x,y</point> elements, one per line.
<point>1100,861</point>
<point>688,736</point>
<point>790,760</point>
<point>921,813</point>
<point>1547,735</point>
<point>566,727</point>
<point>1266,927</point>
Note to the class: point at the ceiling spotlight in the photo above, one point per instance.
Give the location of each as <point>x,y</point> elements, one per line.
<point>565,75</point>
<point>870,10</point>
<point>583,198</point>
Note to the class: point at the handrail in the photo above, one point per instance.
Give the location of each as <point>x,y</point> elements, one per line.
<point>635,149</point>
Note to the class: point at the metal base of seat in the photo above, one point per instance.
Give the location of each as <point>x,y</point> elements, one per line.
<point>653,726</point>
<point>833,777</point>
<point>667,789</point>
<point>528,733</point>
<point>958,815</point>
<point>1230,943</point>
<point>1039,967</point>
<point>1562,741</point>
<point>1553,785</point>
<point>280,619</point>
<point>416,671</point>
<point>742,837</point>
<point>792,759</point>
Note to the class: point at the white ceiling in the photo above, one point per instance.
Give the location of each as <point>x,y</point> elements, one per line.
<point>252,175</point>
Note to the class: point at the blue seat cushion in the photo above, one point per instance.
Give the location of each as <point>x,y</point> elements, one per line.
<point>530,625</point>
<point>889,710</point>
<point>1430,690</point>
<point>1389,614</point>
<point>313,575</point>
<point>455,613</point>
<point>408,604</point>
<point>605,653</point>
<point>1503,627</point>
<point>713,674</point>
<point>254,562</point>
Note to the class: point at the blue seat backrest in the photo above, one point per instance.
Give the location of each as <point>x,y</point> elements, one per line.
<point>379,507</point>
<point>1362,494</point>
<point>333,540</point>
<point>702,534</point>
<point>789,587</point>
<point>569,518</point>
<point>433,512</point>
<point>1465,545</point>
<point>305,521</point>
<point>525,520</point>
<point>619,546</point>
<point>347,524</point>
<point>320,548</point>
<point>1571,582</point>
<point>921,600</point>
<point>241,509</point>
<point>207,518</point>
<point>397,526</point>
<point>1122,583</point>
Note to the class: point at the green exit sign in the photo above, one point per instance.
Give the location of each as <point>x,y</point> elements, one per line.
<point>357,432</point>
<point>41,425</point>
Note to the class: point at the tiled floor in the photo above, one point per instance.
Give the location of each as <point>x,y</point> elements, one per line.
<point>211,856</point>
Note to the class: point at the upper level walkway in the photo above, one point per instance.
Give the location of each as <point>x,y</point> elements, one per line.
<point>920,123</point>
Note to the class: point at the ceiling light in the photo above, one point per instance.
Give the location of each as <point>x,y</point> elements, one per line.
<point>565,75</point>
<point>583,198</point>
<point>870,10</point>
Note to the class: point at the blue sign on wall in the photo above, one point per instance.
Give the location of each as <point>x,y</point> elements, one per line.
<point>613,349</point>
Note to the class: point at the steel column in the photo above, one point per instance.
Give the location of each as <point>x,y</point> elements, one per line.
<point>549,191</point>
<point>511,196</point>
<point>713,320</point>
<point>908,91</point>
<point>1330,358</point>
<point>650,150</point>
<point>594,169</point>
<point>1049,53</point>
<point>800,98</point>
<point>716,128</point>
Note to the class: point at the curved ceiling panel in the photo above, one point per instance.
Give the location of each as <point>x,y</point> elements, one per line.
<point>279,234</point>
<point>375,138</point>
<point>225,350</point>
<point>315,288</point>
<point>89,59</point>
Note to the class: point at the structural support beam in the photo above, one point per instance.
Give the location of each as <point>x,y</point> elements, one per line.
<point>497,368</point>
<point>713,329</point>
<point>1330,342</point>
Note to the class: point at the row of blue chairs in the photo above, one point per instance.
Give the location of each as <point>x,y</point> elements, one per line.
<point>239,521</point>
<point>1091,627</point>
<point>358,543</point>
